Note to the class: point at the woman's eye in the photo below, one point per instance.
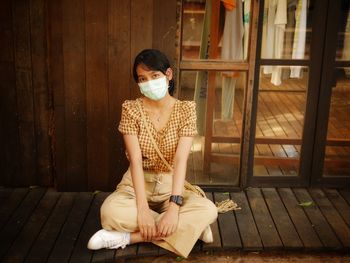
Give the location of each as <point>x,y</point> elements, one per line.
<point>141,79</point>
<point>155,75</point>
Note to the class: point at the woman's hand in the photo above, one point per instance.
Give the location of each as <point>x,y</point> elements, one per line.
<point>168,223</point>
<point>146,224</point>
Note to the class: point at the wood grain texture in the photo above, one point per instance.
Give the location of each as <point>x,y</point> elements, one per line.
<point>264,222</point>
<point>247,228</point>
<point>9,137</point>
<point>74,100</point>
<point>97,100</point>
<point>41,93</point>
<point>25,96</point>
<point>25,239</point>
<point>119,74</point>
<point>319,222</point>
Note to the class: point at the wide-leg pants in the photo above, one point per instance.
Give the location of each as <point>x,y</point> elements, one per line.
<point>119,211</point>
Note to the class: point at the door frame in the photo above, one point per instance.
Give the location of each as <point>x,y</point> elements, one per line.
<point>314,64</point>
<point>329,64</point>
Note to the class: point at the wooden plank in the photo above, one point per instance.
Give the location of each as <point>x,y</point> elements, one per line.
<point>24,240</point>
<point>245,221</point>
<point>118,76</point>
<point>91,225</point>
<point>141,24</point>
<point>69,233</point>
<point>346,194</point>
<point>45,241</point>
<point>14,225</point>
<point>5,194</point>
<point>128,251</point>
<point>24,91</point>
<point>97,94</point>
<point>332,216</point>
<point>318,221</point>
<point>215,230</point>
<point>214,65</point>
<point>103,255</point>
<point>229,232</point>
<point>339,203</point>
<point>147,249</point>
<point>56,76</point>
<point>74,100</point>
<point>250,95</point>
<point>9,139</point>
<point>267,230</point>
<point>302,224</point>
<point>284,225</point>
<point>11,204</point>
<point>42,95</point>
<point>164,28</point>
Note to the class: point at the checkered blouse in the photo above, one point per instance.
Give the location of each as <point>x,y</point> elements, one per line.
<point>182,122</point>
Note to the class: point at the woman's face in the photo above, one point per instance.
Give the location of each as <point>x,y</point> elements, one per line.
<point>145,74</point>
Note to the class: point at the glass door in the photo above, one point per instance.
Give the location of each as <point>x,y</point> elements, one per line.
<point>288,67</point>
<point>331,166</point>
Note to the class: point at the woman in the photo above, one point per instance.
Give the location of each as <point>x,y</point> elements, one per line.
<point>151,203</point>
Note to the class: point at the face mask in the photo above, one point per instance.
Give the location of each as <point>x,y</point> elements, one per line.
<point>154,89</point>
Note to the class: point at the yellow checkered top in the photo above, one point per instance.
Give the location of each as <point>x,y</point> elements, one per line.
<point>182,122</point>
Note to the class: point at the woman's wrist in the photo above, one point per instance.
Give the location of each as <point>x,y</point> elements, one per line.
<point>173,206</point>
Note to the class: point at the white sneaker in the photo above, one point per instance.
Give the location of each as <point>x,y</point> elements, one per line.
<point>207,235</point>
<point>108,239</point>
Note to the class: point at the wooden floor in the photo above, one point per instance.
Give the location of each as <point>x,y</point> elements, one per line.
<point>42,225</point>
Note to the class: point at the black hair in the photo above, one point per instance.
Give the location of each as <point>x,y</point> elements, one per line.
<point>153,59</point>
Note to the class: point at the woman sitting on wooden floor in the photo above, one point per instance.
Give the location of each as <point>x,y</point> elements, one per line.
<point>153,202</point>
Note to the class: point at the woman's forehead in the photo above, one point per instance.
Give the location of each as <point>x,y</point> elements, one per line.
<point>143,69</point>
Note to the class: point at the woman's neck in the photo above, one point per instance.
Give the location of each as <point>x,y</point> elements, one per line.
<point>159,104</point>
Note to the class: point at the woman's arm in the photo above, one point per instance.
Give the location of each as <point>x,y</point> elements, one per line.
<point>168,223</point>
<point>145,219</point>
<point>180,164</point>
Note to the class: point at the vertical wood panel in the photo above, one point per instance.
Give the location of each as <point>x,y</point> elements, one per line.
<point>74,95</point>
<point>10,147</point>
<point>97,94</point>
<point>24,88</point>
<point>164,27</point>
<point>119,85</point>
<point>42,103</point>
<point>141,32</point>
<point>55,74</point>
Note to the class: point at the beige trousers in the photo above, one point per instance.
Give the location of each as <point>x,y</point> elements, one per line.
<point>119,211</point>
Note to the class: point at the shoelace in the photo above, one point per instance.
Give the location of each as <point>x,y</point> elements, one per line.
<point>113,243</point>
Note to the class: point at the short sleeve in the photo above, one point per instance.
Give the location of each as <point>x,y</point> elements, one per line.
<point>188,126</point>
<point>128,122</point>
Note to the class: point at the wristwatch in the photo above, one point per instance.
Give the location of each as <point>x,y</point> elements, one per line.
<point>177,199</point>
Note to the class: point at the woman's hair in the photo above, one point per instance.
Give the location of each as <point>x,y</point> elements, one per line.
<point>153,59</point>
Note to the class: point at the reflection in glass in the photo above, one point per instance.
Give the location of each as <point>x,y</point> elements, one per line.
<point>343,44</point>
<point>279,125</point>
<point>215,29</point>
<point>286,30</point>
<point>223,153</point>
<point>337,156</point>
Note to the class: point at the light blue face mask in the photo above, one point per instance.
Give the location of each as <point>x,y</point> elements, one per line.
<point>155,89</point>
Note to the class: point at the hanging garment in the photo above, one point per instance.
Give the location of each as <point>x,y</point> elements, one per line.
<point>246,21</point>
<point>232,49</point>
<point>273,36</point>
<point>299,37</point>
<point>200,92</point>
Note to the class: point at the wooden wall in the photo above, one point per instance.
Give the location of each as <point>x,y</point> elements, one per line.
<point>25,103</point>
<point>66,71</point>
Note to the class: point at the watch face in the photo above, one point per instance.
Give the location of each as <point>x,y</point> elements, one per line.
<point>177,199</point>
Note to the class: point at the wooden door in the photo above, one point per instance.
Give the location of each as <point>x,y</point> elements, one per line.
<point>287,91</point>
<point>331,163</point>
